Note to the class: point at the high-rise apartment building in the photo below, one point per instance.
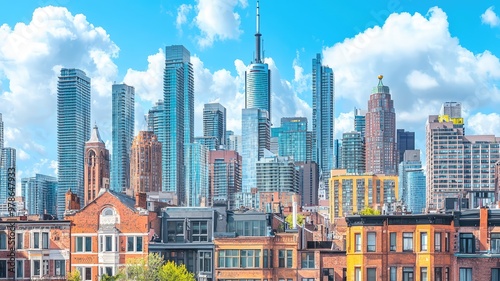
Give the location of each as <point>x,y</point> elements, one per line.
<point>73,130</point>
<point>360,121</point>
<point>145,164</point>
<point>277,174</point>
<point>353,152</point>
<point>337,154</point>
<point>224,177</point>
<point>196,175</point>
<point>380,135</point>
<point>40,192</point>
<point>123,108</point>
<point>233,141</point>
<point>412,181</point>
<point>405,141</point>
<point>293,139</point>
<point>1,135</point>
<point>178,117</point>
<point>458,165</point>
<point>214,122</point>
<point>323,95</point>
<point>212,143</point>
<point>308,173</point>
<point>96,167</point>
<point>8,169</point>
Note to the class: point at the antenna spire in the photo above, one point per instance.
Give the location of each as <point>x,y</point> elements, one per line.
<point>257,36</point>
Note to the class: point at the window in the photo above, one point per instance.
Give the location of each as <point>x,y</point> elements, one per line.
<point>200,232</point>
<point>175,231</point>
<point>437,242</point>
<point>266,258</point>
<point>229,258</point>
<point>371,274</point>
<point>408,242</point>
<point>36,240</point>
<point>392,241</point>
<point>45,240</point>
<point>307,259</point>
<point>465,274</point>
<point>438,274</point>
<point>60,267</point>
<point>308,279</point>
<point>447,274</point>
<point>357,241</point>
<point>108,270</point>
<point>285,258</point>
<point>36,268</point>
<point>423,241</point>
<point>20,240</point>
<point>19,269</point>
<point>134,243</point>
<point>495,243</point>
<point>83,244</point>
<point>495,274</point>
<point>370,245</point>
<point>357,273</point>
<point>45,267</point>
<point>407,273</point>
<point>88,274</point>
<point>447,242</point>
<point>423,274</point>
<point>393,274</point>
<point>205,261</point>
<point>249,258</point>
<point>108,243</point>
<point>3,269</point>
<point>329,273</point>
<point>467,243</point>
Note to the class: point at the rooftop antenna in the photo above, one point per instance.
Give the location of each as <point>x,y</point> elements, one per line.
<point>257,36</point>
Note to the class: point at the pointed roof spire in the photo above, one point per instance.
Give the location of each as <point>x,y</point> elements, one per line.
<point>95,137</point>
<point>257,36</point>
<point>380,77</point>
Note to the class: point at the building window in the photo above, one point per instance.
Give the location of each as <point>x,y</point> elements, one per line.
<point>266,258</point>
<point>36,268</point>
<point>370,245</point>
<point>307,259</point>
<point>495,243</point>
<point>83,244</point>
<point>357,273</point>
<point>357,241</point>
<point>36,240</point>
<point>408,274</point>
<point>423,274</point>
<point>45,268</point>
<point>495,274</point>
<point>437,242</point>
<point>45,240</point>
<point>60,267</point>
<point>393,274</point>
<point>438,274</point>
<point>229,258</point>
<point>423,241</point>
<point>108,270</point>
<point>175,231</point>
<point>205,261</point>
<point>447,242</point>
<point>467,243</point>
<point>106,243</point>
<point>3,241</point>
<point>329,273</point>
<point>3,269</point>
<point>408,241</point>
<point>371,274</point>
<point>447,274</point>
<point>285,258</point>
<point>134,244</point>
<point>88,274</point>
<point>19,269</point>
<point>19,240</point>
<point>250,258</point>
<point>465,274</point>
<point>200,231</point>
<point>392,241</point>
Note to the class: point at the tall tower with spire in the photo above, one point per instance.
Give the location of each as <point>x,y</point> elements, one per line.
<point>96,168</point>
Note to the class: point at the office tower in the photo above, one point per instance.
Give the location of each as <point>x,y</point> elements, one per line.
<point>360,121</point>
<point>96,167</point>
<point>258,77</point>
<point>8,174</point>
<point>229,133</point>
<point>451,109</point>
<point>178,98</point>
<point>1,135</point>
<point>145,164</point>
<point>349,194</point>
<point>415,198</point>
<point>323,95</point>
<point>40,194</point>
<point>337,154</point>
<point>411,162</point>
<point>73,130</point>
<point>277,174</point>
<point>255,142</point>
<point>212,143</point>
<point>234,142</point>
<point>123,109</point>
<point>380,135</point>
<point>196,175</point>
<point>293,139</point>
<point>308,173</point>
<point>214,122</point>
<point>353,153</point>
<point>458,164</point>
<point>224,177</point>
<point>405,141</point>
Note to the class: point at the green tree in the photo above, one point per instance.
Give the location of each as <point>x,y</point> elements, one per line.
<point>141,269</point>
<point>300,220</point>
<point>117,277</point>
<point>172,272</point>
<point>74,276</point>
<point>369,211</point>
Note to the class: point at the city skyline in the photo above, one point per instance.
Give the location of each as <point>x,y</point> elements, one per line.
<point>33,133</point>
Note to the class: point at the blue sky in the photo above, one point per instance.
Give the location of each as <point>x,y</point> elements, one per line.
<point>428,51</point>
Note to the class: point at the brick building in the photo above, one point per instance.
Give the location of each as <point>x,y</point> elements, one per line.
<point>96,167</point>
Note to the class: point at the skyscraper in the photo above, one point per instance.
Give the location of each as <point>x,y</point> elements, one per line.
<point>380,133</point>
<point>145,164</point>
<point>7,170</point>
<point>353,153</point>
<point>178,96</point>
<point>405,141</point>
<point>196,175</point>
<point>40,193</point>
<point>360,121</point>
<point>294,140</point>
<point>96,171</point>
<point>214,122</point>
<point>224,176</point>
<point>412,181</point>
<point>73,130</point>
<point>323,95</point>
<point>308,173</point>
<point>1,135</point>
<point>122,135</point>
<point>337,154</point>
<point>258,77</point>
<point>277,174</point>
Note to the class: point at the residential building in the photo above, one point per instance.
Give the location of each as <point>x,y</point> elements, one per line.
<point>308,173</point>
<point>96,167</point>
<point>8,174</point>
<point>405,141</point>
<point>123,113</point>
<point>40,194</point>
<point>380,135</point>
<point>360,121</point>
<point>214,123</point>
<point>353,152</point>
<point>412,182</point>
<point>145,164</point>
<point>337,154</point>
<point>196,175</point>
<point>234,142</point>
<point>224,177</point>
<point>293,138</point>
<point>178,122</point>
<point>351,193</point>
<point>212,143</point>
<point>277,174</point>
<point>1,134</point>
<point>73,130</point>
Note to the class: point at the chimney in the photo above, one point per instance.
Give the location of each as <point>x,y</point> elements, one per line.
<point>140,200</point>
<point>72,201</point>
<point>483,229</point>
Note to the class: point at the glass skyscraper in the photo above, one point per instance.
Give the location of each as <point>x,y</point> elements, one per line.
<point>416,198</point>
<point>323,95</point>
<point>178,97</point>
<point>405,141</point>
<point>353,153</point>
<point>293,139</point>
<point>8,160</point>
<point>122,135</point>
<point>196,174</point>
<point>73,130</point>
<point>40,194</point>
<point>411,162</point>
<point>214,122</point>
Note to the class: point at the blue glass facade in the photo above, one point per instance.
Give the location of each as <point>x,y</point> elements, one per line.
<point>40,194</point>
<point>8,160</point>
<point>416,195</point>
<point>353,153</point>
<point>411,163</point>
<point>73,130</point>
<point>196,174</point>
<point>214,122</point>
<point>293,139</point>
<point>258,87</point>
<point>123,110</point>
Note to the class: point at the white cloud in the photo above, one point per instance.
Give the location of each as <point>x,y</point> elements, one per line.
<point>484,124</point>
<point>182,13</point>
<point>490,18</point>
<point>420,81</point>
<point>22,155</point>
<point>344,123</point>
<point>148,84</point>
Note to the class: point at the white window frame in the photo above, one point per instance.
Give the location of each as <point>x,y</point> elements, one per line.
<point>82,270</point>
<point>20,240</point>
<point>134,247</point>
<point>63,267</point>
<point>20,267</point>
<point>33,268</point>
<point>84,243</point>
<point>6,268</point>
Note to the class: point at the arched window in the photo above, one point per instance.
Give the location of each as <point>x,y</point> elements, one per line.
<point>108,212</point>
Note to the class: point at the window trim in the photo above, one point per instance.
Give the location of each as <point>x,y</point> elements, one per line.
<point>370,247</point>
<point>357,242</point>
<point>424,247</point>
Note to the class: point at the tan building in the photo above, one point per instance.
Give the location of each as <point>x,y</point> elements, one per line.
<point>145,164</point>
<point>96,167</point>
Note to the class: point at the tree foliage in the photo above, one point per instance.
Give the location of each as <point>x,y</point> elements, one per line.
<point>154,268</point>
<point>369,211</point>
<point>172,272</point>
<point>300,219</point>
<point>74,276</point>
